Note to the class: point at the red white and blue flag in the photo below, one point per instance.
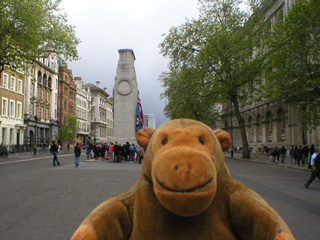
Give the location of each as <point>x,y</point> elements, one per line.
<point>140,117</point>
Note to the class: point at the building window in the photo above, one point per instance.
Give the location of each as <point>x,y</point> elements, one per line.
<point>19,110</point>
<point>13,84</point>
<point>12,108</point>
<point>4,106</point>
<point>19,86</point>
<point>5,81</point>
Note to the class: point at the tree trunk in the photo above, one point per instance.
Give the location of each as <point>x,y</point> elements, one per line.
<point>245,149</point>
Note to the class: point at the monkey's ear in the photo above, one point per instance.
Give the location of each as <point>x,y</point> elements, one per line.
<point>144,135</point>
<point>224,138</point>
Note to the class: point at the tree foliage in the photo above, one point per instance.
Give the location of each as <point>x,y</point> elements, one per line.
<point>211,62</point>
<point>68,129</point>
<point>29,28</point>
<point>294,60</point>
<point>188,100</point>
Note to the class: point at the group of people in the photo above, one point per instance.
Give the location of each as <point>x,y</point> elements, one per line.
<point>115,152</point>
<point>301,155</point>
<point>298,154</point>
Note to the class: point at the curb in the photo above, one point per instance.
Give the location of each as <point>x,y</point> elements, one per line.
<point>266,163</point>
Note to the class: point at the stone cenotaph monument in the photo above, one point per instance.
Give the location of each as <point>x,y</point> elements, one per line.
<point>125,97</point>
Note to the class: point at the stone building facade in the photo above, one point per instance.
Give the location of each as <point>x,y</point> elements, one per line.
<point>109,117</point>
<point>83,111</point>
<point>12,88</point>
<point>268,123</point>
<point>149,121</point>
<point>41,98</point>
<point>100,105</point>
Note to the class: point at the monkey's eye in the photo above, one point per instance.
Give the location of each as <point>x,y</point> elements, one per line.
<point>201,140</point>
<point>164,140</point>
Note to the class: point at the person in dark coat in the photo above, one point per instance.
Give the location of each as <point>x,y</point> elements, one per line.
<point>305,152</point>
<point>54,152</point>
<point>292,155</point>
<point>116,149</point>
<point>126,151</point>
<point>120,154</point>
<point>283,152</point>
<point>275,154</point>
<point>299,156</point>
<point>77,154</point>
<point>103,152</point>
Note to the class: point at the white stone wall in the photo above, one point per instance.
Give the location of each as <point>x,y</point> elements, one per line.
<point>149,120</point>
<point>83,106</point>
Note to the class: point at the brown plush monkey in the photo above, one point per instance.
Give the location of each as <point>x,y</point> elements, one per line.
<point>185,191</point>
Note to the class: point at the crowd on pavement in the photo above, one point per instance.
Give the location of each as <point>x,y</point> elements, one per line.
<point>297,154</point>
<point>298,157</point>
<point>115,152</point>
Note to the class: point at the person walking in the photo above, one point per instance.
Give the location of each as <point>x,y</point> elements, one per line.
<point>312,151</point>
<point>116,149</point>
<point>35,149</point>
<point>292,154</point>
<point>275,154</point>
<point>77,154</point>
<point>141,154</point>
<point>103,151</point>
<point>132,150</point>
<point>299,156</point>
<point>305,152</point>
<point>315,169</point>
<point>283,152</point>
<point>255,151</point>
<point>54,152</point>
<point>120,154</point>
<point>110,152</point>
<point>88,151</point>
<point>126,151</point>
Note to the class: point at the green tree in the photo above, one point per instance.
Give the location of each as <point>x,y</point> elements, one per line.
<point>219,48</point>
<point>294,60</point>
<point>29,28</point>
<point>186,99</point>
<point>68,129</point>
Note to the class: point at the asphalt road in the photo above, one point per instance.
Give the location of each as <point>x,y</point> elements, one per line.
<point>39,201</point>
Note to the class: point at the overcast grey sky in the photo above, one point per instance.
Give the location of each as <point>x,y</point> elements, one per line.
<point>105,26</point>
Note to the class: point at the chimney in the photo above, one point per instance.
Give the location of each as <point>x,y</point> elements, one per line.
<point>98,84</point>
<point>105,89</point>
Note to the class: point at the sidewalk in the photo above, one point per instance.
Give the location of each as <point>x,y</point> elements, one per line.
<point>263,159</point>
<point>23,155</point>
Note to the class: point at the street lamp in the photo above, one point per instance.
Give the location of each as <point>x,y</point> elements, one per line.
<point>231,132</point>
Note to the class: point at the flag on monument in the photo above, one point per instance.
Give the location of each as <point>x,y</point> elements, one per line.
<point>140,117</point>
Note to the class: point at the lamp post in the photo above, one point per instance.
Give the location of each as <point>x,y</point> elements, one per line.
<point>231,131</point>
